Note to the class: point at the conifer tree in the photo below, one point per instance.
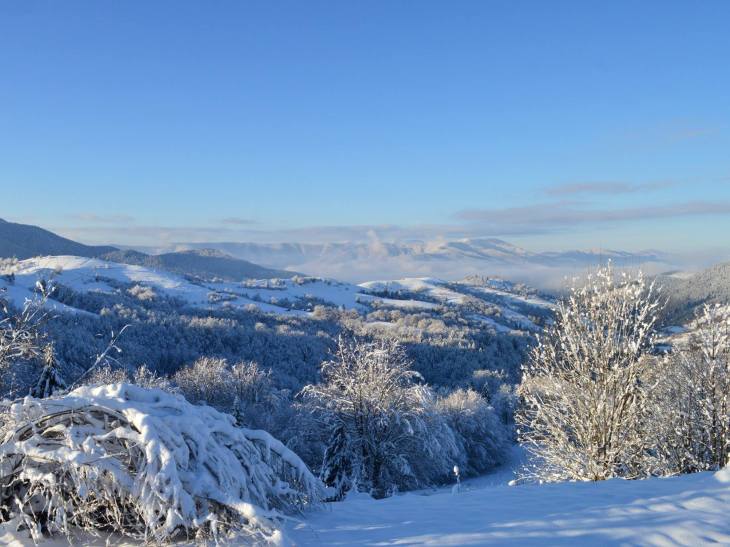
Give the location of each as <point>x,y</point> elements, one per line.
<point>50,380</point>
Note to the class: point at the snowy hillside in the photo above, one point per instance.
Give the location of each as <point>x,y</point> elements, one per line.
<point>687,510</point>
<point>497,304</point>
<point>688,291</point>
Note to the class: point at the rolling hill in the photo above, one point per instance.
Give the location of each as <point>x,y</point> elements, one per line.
<point>24,241</point>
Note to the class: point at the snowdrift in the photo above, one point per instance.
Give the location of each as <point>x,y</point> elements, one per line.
<point>147,464</point>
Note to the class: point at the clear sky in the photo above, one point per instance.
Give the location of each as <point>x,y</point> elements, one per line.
<point>549,124</point>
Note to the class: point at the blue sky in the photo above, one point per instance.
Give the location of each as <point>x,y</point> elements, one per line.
<point>550,124</point>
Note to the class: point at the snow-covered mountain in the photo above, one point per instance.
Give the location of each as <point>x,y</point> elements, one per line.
<point>202,263</point>
<point>359,261</point>
<point>484,249</point>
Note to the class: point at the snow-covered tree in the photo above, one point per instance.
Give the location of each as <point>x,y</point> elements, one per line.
<point>50,380</point>
<point>370,394</point>
<point>337,472</point>
<point>584,400</point>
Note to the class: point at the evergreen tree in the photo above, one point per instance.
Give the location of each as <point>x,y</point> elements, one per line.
<point>337,465</point>
<point>50,380</point>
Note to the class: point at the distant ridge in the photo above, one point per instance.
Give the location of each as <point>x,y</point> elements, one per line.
<point>24,241</point>
<point>203,263</point>
<point>479,250</point>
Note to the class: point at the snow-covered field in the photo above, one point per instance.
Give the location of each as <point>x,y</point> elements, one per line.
<point>688,510</point>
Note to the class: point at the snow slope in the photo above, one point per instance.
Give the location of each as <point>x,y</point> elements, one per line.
<point>688,510</point>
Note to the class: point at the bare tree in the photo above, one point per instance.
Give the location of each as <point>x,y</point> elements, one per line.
<point>582,391</point>
<point>691,405</point>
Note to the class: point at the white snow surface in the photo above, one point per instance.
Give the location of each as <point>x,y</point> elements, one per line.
<point>687,510</point>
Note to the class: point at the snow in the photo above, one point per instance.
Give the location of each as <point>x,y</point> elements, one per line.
<point>687,510</point>
<point>86,275</point>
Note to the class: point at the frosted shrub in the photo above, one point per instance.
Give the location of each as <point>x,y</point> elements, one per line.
<point>584,402</point>
<point>106,375</point>
<point>146,464</point>
<point>483,438</point>
<point>206,381</point>
<point>691,403</point>
<point>244,390</point>
<point>142,292</point>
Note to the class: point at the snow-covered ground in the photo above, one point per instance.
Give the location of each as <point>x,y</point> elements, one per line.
<point>688,510</point>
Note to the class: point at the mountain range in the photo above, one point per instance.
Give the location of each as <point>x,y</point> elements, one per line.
<point>354,261</point>
<point>360,261</point>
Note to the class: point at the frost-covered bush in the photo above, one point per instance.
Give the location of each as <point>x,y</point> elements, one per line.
<point>690,404</point>
<point>146,464</point>
<point>142,376</point>
<point>107,375</point>
<point>584,402</point>
<point>244,390</point>
<point>206,381</point>
<point>142,292</point>
<point>483,439</point>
